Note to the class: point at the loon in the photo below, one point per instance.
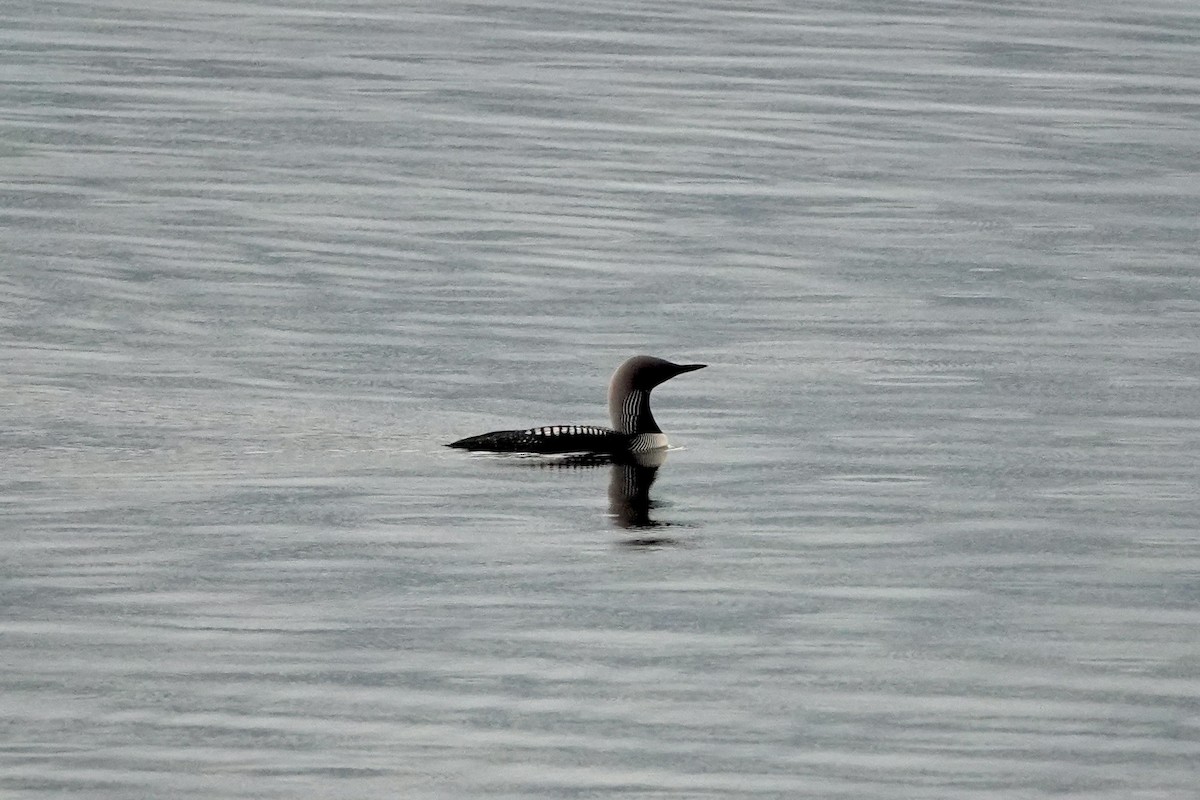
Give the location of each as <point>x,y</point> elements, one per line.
<point>633,428</point>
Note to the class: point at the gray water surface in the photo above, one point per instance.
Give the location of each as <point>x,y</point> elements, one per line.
<point>929,526</point>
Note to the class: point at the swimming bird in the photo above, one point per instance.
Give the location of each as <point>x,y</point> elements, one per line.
<point>633,427</point>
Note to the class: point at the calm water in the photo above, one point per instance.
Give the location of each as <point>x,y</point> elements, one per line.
<point>931,527</point>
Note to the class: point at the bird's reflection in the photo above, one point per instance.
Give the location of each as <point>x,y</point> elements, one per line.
<point>629,488</point>
<point>630,479</point>
<point>629,500</point>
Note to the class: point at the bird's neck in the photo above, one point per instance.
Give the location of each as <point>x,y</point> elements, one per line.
<point>630,413</point>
